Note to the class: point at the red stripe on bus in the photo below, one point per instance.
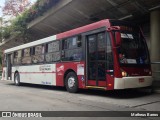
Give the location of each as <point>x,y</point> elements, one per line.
<point>34,72</point>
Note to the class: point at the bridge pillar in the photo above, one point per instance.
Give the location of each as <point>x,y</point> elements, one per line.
<point>155,45</point>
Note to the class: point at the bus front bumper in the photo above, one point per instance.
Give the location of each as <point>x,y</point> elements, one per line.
<point>132,82</point>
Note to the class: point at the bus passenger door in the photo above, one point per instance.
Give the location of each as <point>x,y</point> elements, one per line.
<point>96,60</point>
<point>9,67</point>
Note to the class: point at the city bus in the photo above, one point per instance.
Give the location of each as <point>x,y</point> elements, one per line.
<point>108,55</point>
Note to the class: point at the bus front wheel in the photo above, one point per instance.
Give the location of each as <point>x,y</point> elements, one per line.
<point>71,82</point>
<point>17,79</point>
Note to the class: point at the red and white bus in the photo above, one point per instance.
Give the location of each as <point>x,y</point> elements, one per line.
<point>109,55</point>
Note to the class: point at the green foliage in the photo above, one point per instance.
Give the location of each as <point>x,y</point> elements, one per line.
<point>19,24</point>
<point>6,32</point>
<point>0,60</point>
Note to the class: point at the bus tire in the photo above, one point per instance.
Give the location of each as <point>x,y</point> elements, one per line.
<point>71,82</point>
<point>17,79</point>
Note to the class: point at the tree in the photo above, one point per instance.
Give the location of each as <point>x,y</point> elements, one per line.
<point>12,9</point>
<point>15,7</point>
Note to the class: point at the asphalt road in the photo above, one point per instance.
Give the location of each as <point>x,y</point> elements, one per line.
<point>48,98</point>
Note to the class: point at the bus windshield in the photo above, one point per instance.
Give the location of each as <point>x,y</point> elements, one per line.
<point>133,49</point>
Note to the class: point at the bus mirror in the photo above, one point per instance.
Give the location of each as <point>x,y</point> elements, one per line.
<point>118,38</point>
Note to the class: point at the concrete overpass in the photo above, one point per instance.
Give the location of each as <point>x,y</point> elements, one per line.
<point>69,14</point>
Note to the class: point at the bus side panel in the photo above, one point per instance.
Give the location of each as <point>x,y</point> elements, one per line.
<point>60,74</point>
<point>77,67</point>
<point>37,74</point>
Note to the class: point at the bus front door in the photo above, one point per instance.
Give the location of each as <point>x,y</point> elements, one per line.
<point>9,67</point>
<point>96,60</point>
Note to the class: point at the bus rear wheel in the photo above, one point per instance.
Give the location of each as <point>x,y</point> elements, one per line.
<point>71,82</point>
<point>16,79</point>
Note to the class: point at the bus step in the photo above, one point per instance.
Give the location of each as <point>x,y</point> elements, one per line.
<point>96,87</point>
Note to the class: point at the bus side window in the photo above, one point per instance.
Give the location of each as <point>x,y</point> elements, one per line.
<point>33,51</point>
<point>79,41</point>
<point>64,44</point>
<point>38,54</point>
<point>71,49</point>
<point>26,59</point>
<point>52,51</point>
<point>72,42</point>
<point>17,57</point>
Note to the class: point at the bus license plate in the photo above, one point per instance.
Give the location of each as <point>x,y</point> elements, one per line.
<point>141,80</point>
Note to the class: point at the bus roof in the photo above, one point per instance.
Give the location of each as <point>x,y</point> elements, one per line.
<point>37,42</point>
<point>85,28</point>
<point>69,33</point>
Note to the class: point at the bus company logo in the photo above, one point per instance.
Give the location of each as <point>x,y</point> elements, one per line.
<point>61,68</point>
<point>6,114</point>
<point>45,68</point>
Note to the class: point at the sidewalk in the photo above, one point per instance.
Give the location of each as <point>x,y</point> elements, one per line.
<point>156,90</point>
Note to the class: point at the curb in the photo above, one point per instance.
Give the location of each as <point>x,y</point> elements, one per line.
<point>156,90</point>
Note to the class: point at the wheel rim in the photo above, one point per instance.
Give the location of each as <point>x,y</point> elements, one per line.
<point>71,82</point>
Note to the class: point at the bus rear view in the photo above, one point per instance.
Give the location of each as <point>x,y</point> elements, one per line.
<point>132,61</point>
